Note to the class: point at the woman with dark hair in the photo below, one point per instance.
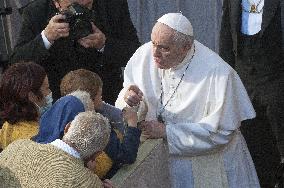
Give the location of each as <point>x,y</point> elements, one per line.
<point>24,95</point>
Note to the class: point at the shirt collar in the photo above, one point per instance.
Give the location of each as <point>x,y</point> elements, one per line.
<point>65,147</point>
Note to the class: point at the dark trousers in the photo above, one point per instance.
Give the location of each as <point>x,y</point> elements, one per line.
<point>264,134</point>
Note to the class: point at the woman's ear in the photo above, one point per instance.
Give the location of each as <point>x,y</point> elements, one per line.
<point>67,127</point>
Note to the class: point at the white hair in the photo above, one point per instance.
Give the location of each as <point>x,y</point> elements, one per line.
<point>182,40</point>
<point>88,133</point>
<point>85,98</point>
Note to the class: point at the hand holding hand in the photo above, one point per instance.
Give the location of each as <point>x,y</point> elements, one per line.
<point>133,96</point>
<point>96,39</point>
<point>56,29</point>
<point>153,129</point>
<point>130,116</point>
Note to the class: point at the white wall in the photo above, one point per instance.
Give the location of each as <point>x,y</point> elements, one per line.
<point>205,16</point>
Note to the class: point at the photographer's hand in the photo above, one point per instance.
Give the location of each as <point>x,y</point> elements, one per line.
<point>56,29</point>
<point>95,40</point>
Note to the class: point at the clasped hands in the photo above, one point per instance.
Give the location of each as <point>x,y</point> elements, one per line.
<point>151,129</point>
<point>57,29</point>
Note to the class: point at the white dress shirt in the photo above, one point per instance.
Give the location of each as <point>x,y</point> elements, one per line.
<point>48,44</point>
<point>65,147</point>
<point>251,22</point>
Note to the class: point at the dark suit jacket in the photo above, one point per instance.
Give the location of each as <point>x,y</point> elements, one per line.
<point>231,24</point>
<point>112,18</point>
<point>267,70</point>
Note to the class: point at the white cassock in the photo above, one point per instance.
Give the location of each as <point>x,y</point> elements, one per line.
<point>206,148</point>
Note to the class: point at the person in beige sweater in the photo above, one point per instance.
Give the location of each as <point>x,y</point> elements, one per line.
<point>61,163</point>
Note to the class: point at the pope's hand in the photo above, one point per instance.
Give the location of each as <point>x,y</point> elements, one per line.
<point>56,28</point>
<point>153,129</point>
<point>133,95</point>
<point>96,39</point>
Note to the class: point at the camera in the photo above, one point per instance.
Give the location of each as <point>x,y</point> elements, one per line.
<point>79,19</point>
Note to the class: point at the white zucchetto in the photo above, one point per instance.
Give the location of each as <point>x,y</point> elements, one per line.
<point>178,22</point>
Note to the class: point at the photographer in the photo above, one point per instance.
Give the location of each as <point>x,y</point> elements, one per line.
<point>50,35</point>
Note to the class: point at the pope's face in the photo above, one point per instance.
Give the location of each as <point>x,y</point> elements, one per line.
<point>166,52</point>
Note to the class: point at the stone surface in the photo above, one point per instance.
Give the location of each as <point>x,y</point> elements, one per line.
<point>150,169</point>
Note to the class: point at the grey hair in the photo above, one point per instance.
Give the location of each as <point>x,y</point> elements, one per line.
<point>85,98</point>
<point>88,133</point>
<point>182,40</point>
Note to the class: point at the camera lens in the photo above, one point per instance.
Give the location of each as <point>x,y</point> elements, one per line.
<point>82,28</point>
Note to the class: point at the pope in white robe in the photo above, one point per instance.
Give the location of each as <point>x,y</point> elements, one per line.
<point>199,101</point>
